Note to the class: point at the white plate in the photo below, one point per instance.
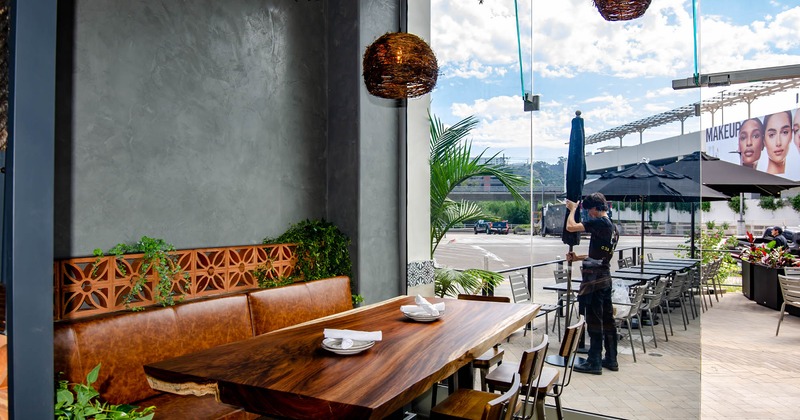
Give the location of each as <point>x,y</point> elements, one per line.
<point>334,345</point>
<point>422,317</point>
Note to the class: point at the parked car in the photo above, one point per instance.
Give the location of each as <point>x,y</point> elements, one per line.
<point>481,226</point>
<point>499,228</point>
<point>792,240</point>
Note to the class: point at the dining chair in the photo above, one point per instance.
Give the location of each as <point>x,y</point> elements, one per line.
<point>622,263</point>
<point>629,261</point>
<point>493,356</point>
<point>650,256</point>
<point>529,368</point>
<point>552,381</point>
<point>672,294</point>
<point>791,271</point>
<point>636,294</point>
<point>652,300</point>
<point>521,294</point>
<point>478,405</point>
<point>561,276</point>
<point>790,289</point>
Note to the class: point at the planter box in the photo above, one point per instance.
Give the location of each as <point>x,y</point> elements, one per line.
<point>765,288</point>
<point>747,279</point>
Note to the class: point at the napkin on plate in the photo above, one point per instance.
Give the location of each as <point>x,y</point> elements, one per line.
<point>347,336</point>
<point>423,307</point>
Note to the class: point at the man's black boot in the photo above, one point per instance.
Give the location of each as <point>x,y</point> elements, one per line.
<point>592,364</point>
<point>610,343</point>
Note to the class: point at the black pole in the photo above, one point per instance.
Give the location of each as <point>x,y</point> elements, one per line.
<point>569,291</point>
<point>691,252</point>
<point>641,249</point>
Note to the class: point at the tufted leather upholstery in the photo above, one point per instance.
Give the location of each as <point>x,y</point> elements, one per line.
<point>273,309</point>
<point>125,341</point>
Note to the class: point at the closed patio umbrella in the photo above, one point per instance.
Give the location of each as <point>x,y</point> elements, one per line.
<point>576,175</point>
<point>644,182</point>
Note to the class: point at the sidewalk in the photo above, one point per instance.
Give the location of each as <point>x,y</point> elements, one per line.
<point>729,365</point>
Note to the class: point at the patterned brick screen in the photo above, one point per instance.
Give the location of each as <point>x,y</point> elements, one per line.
<point>81,290</point>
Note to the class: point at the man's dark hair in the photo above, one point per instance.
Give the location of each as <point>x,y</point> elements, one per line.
<point>595,201</point>
<point>778,228</point>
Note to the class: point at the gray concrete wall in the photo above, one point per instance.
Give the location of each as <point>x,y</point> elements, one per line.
<point>201,122</point>
<point>211,123</point>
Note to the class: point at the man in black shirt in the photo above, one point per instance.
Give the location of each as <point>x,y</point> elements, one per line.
<point>595,291</point>
<point>777,236</point>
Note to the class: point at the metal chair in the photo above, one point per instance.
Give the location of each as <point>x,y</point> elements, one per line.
<point>529,369</point>
<point>622,263</point>
<point>560,276</point>
<point>673,293</point>
<point>520,293</point>
<point>471,404</point>
<point>636,296</point>
<point>652,300</point>
<point>790,289</point>
<point>549,384</point>
<point>650,256</point>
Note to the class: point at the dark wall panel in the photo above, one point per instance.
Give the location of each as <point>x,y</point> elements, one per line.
<point>202,122</point>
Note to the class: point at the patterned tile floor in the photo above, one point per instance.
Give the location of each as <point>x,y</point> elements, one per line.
<point>727,365</point>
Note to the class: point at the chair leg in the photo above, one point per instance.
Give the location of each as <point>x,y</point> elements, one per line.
<point>684,315</point>
<point>669,318</point>
<point>783,309</point>
<point>641,334</point>
<point>540,406</point>
<point>664,324</point>
<point>630,337</point>
<point>652,326</point>
<point>559,413</point>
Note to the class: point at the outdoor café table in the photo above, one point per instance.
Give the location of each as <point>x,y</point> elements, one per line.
<point>641,277</point>
<point>673,263</point>
<point>665,266</point>
<point>688,260</point>
<point>648,270</point>
<point>286,373</point>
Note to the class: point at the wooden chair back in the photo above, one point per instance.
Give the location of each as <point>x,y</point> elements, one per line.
<point>568,349</point>
<point>503,407</point>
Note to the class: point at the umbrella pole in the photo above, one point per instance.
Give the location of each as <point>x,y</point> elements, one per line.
<point>692,232</point>
<point>641,249</point>
<point>569,292</point>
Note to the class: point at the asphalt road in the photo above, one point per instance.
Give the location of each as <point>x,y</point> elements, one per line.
<point>463,250</point>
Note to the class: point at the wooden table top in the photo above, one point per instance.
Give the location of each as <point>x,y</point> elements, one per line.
<point>286,373</point>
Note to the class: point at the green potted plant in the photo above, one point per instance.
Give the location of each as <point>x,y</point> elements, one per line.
<point>82,402</point>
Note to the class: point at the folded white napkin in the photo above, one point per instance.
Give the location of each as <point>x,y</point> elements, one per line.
<point>348,336</point>
<point>423,307</point>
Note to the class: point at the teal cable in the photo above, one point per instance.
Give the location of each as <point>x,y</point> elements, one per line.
<point>694,34</point>
<point>519,51</point>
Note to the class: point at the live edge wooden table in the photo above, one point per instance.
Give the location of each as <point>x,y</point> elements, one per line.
<point>286,373</point>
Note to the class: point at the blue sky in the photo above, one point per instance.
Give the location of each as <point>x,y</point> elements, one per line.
<point>614,72</point>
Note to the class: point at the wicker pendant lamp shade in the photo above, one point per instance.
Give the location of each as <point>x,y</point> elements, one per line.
<point>400,65</point>
<point>612,10</point>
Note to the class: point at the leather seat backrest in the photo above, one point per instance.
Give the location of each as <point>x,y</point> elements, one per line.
<point>213,322</point>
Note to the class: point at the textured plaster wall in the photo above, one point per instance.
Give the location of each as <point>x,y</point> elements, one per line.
<point>202,122</point>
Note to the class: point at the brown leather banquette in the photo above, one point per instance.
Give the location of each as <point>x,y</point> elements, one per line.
<point>124,342</point>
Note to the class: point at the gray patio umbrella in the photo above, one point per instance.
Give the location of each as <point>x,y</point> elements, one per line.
<point>576,175</point>
<point>729,178</point>
<point>646,183</point>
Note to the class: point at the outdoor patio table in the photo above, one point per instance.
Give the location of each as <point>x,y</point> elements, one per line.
<point>286,373</point>
<point>694,260</point>
<point>634,276</point>
<point>648,270</point>
<point>673,263</point>
<point>665,265</point>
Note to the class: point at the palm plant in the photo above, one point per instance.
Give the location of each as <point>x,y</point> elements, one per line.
<point>452,164</point>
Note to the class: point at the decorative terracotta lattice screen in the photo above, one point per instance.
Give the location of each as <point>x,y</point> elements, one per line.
<point>82,290</point>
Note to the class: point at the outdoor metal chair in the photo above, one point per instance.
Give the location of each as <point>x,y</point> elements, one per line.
<point>560,276</point>
<point>673,295</point>
<point>652,300</point>
<point>629,261</point>
<point>790,289</point>
<point>650,256</point>
<point>791,271</point>
<point>529,369</point>
<point>622,263</point>
<point>549,384</point>
<point>707,283</point>
<point>471,404</point>
<point>636,294</point>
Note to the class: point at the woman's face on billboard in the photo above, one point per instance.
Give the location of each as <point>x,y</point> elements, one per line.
<point>777,135</point>
<point>751,142</point>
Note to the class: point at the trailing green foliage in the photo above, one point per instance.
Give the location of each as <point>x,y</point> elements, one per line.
<point>82,402</point>
<point>770,203</point>
<point>452,163</point>
<point>266,281</point>
<point>322,249</point>
<point>713,238</point>
<point>796,202</point>
<point>450,282</point>
<point>156,256</point>
<point>705,206</point>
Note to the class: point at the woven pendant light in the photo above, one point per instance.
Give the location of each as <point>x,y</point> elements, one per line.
<point>613,10</point>
<point>400,65</point>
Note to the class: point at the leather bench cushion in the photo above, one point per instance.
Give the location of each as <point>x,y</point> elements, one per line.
<point>281,307</point>
<point>273,309</point>
<point>209,323</point>
<point>331,296</point>
<point>123,343</point>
